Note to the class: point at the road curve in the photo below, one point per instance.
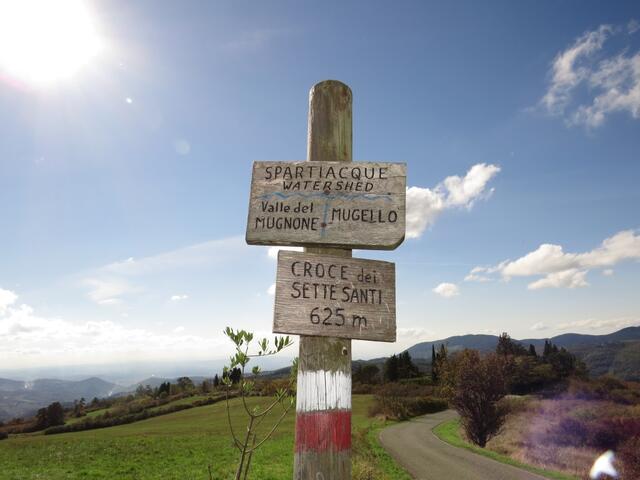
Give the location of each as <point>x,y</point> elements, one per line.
<point>426,457</point>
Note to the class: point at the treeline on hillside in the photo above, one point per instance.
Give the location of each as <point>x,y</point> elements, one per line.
<point>475,384</point>
<point>401,390</point>
<point>146,402</point>
<point>579,412</point>
<point>103,421</point>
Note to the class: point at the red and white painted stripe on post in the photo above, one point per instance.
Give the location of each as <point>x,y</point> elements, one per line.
<point>323,409</point>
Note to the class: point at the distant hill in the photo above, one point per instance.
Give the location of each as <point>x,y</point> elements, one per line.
<point>155,382</point>
<point>20,399</point>
<point>616,353</point>
<point>23,399</point>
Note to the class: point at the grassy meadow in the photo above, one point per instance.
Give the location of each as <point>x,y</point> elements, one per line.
<point>180,445</point>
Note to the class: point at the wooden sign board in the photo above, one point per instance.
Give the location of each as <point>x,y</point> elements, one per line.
<point>338,204</point>
<point>330,296</point>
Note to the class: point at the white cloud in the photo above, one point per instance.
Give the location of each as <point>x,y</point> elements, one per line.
<point>201,254</point>
<point>424,205</point>
<point>633,26</point>
<point>539,326</point>
<point>608,272</point>
<point>272,252</point>
<point>178,298</point>
<point>110,283</point>
<point>594,323</point>
<point>414,335</point>
<point>567,71</point>
<point>475,275</point>
<point>110,301</point>
<point>27,338</point>
<point>107,291</point>
<point>563,269</point>
<point>572,278</point>
<point>272,289</point>
<point>7,298</point>
<point>612,83</point>
<point>619,81</point>
<point>447,290</point>
<point>179,329</point>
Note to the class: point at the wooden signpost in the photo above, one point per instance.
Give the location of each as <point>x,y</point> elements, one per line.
<point>355,205</point>
<point>335,297</point>
<point>329,205</point>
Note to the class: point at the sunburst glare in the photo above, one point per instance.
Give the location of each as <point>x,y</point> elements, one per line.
<point>44,42</point>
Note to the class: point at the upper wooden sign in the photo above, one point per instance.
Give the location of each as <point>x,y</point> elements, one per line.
<point>339,204</point>
<point>330,296</point>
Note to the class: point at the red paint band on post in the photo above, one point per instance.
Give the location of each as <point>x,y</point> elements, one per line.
<point>323,431</point>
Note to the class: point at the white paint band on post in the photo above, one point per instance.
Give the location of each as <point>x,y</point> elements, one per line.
<point>323,390</point>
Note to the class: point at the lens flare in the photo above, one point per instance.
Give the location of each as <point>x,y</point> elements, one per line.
<point>603,466</point>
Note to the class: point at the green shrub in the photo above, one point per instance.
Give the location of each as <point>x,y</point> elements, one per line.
<point>403,408</point>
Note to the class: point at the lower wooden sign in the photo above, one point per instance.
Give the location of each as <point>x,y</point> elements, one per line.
<point>329,296</point>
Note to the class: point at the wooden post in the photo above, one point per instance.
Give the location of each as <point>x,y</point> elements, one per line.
<point>323,408</point>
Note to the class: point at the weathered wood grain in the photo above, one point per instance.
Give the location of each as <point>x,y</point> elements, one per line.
<point>324,295</point>
<point>329,139</point>
<point>349,205</point>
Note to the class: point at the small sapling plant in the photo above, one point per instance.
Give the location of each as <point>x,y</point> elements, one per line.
<point>283,401</point>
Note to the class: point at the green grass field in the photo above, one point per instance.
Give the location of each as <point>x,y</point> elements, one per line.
<point>178,446</point>
<point>450,433</point>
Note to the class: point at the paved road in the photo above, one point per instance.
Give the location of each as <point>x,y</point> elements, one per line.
<point>426,457</point>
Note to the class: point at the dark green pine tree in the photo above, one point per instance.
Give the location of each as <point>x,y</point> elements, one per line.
<point>55,414</point>
<point>391,369</point>
<point>434,370</point>
<point>532,350</point>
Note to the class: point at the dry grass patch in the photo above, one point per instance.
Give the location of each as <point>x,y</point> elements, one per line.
<point>539,433</point>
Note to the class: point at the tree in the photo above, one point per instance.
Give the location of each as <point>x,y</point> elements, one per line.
<point>216,380</point>
<point>434,372</point>
<point>506,346</point>
<point>50,416</point>
<point>284,397</point>
<point>55,414</point>
<point>234,375</point>
<point>478,385</point>
<point>439,366</point>
<point>391,373</point>
<point>442,353</point>
<point>79,408</point>
<point>406,367</point>
<point>205,386</point>
<point>185,384</point>
<point>366,374</point>
<point>42,421</point>
<point>164,389</point>
<point>532,351</point>
<point>141,391</point>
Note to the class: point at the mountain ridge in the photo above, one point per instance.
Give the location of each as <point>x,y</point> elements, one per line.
<point>616,353</point>
<point>485,342</point>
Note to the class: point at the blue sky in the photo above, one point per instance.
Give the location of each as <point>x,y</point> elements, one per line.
<point>124,184</point>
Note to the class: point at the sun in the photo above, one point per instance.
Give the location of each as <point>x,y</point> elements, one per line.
<point>43,42</point>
